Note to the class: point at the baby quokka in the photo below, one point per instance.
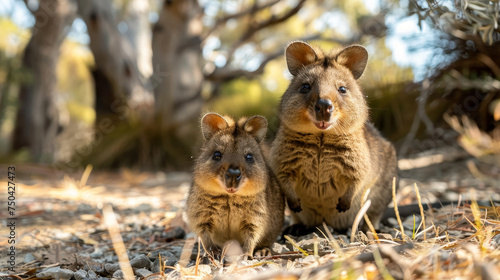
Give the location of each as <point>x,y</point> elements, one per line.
<point>234,195</point>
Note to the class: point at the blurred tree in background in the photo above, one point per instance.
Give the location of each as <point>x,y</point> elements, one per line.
<point>131,92</point>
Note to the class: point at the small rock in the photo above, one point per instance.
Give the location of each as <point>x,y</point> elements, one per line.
<point>177,251</point>
<point>98,253</point>
<point>409,233</point>
<point>111,267</point>
<point>84,207</point>
<point>118,274</point>
<point>308,244</point>
<point>175,233</point>
<point>141,272</point>
<point>156,266</point>
<point>495,241</point>
<point>410,223</point>
<point>144,207</point>
<point>141,261</point>
<point>80,274</point>
<point>279,248</point>
<point>344,240</point>
<point>55,273</point>
<point>29,258</point>
<point>384,236</point>
<point>166,256</point>
<point>392,221</point>
<point>309,259</point>
<point>451,196</point>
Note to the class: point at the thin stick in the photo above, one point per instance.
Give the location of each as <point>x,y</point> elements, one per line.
<point>117,240</point>
<point>186,252</point>
<point>295,245</point>
<point>333,241</point>
<point>367,220</point>
<point>360,215</point>
<point>421,209</point>
<point>85,176</point>
<point>396,209</point>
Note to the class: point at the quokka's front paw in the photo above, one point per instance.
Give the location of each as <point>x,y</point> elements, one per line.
<point>343,205</point>
<point>264,252</point>
<point>295,206</point>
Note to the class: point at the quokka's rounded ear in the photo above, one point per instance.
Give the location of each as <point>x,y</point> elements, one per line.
<point>211,123</point>
<point>299,54</point>
<point>257,127</point>
<point>354,58</point>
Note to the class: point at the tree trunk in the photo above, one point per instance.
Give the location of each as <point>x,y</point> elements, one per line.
<point>37,122</point>
<point>118,82</point>
<point>139,34</point>
<point>177,62</point>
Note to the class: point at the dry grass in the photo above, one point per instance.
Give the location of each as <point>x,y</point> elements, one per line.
<point>464,245</point>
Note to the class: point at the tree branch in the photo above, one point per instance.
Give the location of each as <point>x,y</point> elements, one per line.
<point>252,10</point>
<point>254,28</point>
<point>226,73</point>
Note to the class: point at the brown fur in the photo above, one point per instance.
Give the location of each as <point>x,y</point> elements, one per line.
<point>330,169</point>
<point>253,213</point>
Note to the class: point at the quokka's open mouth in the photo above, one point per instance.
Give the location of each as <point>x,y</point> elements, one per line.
<point>322,125</point>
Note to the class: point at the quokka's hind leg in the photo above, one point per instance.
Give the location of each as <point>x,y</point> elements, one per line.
<point>374,219</point>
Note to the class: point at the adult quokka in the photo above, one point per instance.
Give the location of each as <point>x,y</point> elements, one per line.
<point>234,195</point>
<point>325,148</point>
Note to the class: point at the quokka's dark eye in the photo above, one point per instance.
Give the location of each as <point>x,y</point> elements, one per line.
<point>305,88</point>
<point>343,90</point>
<point>249,158</point>
<point>217,156</point>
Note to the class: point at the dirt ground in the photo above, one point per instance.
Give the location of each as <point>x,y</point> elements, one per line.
<point>61,214</point>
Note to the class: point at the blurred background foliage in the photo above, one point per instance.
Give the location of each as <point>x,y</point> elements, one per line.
<point>132,77</point>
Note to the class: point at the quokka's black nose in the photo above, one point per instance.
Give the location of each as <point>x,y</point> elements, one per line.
<point>233,173</point>
<point>324,109</point>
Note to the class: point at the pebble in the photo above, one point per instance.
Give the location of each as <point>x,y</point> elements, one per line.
<point>409,223</point>
<point>98,253</point>
<point>141,261</point>
<point>29,258</point>
<point>143,207</point>
<point>279,248</point>
<point>345,240</point>
<point>392,221</point>
<point>84,275</point>
<point>495,241</point>
<point>177,251</point>
<point>55,273</point>
<point>309,259</point>
<point>166,256</point>
<point>80,274</point>
<point>141,272</point>
<point>156,266</point>
<point>118,274</point>
<point>308,244</point>
<point>84,207</point>
<point>111,267</point>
